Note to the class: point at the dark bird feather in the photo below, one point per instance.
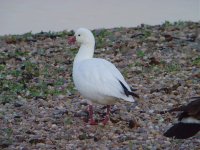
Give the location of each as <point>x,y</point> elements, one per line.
<point>183,130</point>
<point>127,92</point>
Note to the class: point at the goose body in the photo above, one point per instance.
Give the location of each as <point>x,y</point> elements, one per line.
<point>97,79</point>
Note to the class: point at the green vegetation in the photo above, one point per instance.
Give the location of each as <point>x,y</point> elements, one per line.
<point>30,80</point>
<point>141,66</point>
<point>146,33</point>
<point>140,53</point>
<point>29,36</point>
<point>196,61</point>
<point>100,36</point>
<point>8,137</point>
<point>67,121</point>
<point>173,67</point>
<point>167,24</point>
<point>177,24</point>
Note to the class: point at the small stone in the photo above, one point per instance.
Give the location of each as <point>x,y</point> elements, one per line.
<point>152,39</point>
<point>54,126</point>
<point>18,104</point>
<point>132,123</point>
<point>151,111</point>
<point>36,139</point>
<point>95,139</point>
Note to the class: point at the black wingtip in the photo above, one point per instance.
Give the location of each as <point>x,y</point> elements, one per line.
<point>133,94</point>
<point>127,92</point>
<point>182,130</point>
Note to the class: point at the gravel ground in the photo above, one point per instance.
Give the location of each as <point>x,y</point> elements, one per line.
<point>41,109</point>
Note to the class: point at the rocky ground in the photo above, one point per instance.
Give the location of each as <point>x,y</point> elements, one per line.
<point>41,109</point>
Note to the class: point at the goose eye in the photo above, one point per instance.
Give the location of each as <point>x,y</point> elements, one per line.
<point>79,35</point>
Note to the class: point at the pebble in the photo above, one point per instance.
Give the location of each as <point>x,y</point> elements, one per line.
<point>54,126</point>
<point>18,103</point>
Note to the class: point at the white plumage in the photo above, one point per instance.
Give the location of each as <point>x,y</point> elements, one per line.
<point>97,79</point>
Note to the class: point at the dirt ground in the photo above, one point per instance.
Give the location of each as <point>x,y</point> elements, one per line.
<point>41,109</point>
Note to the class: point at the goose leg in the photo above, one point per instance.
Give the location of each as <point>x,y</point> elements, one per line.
<point>91,119</point>
<point>107,118</point>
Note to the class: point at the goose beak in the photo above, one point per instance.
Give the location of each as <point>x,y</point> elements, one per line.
<point>72,40</point>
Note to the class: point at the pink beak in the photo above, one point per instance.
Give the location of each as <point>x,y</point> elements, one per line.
<point>72,40</point>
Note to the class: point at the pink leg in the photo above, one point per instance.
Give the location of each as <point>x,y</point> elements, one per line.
<point>91,119</point>
<point>107,118</point>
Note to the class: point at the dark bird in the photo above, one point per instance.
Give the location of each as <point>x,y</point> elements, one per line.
<point>188,120</point>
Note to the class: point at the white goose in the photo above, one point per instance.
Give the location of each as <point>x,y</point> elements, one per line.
<point>97,79</point>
